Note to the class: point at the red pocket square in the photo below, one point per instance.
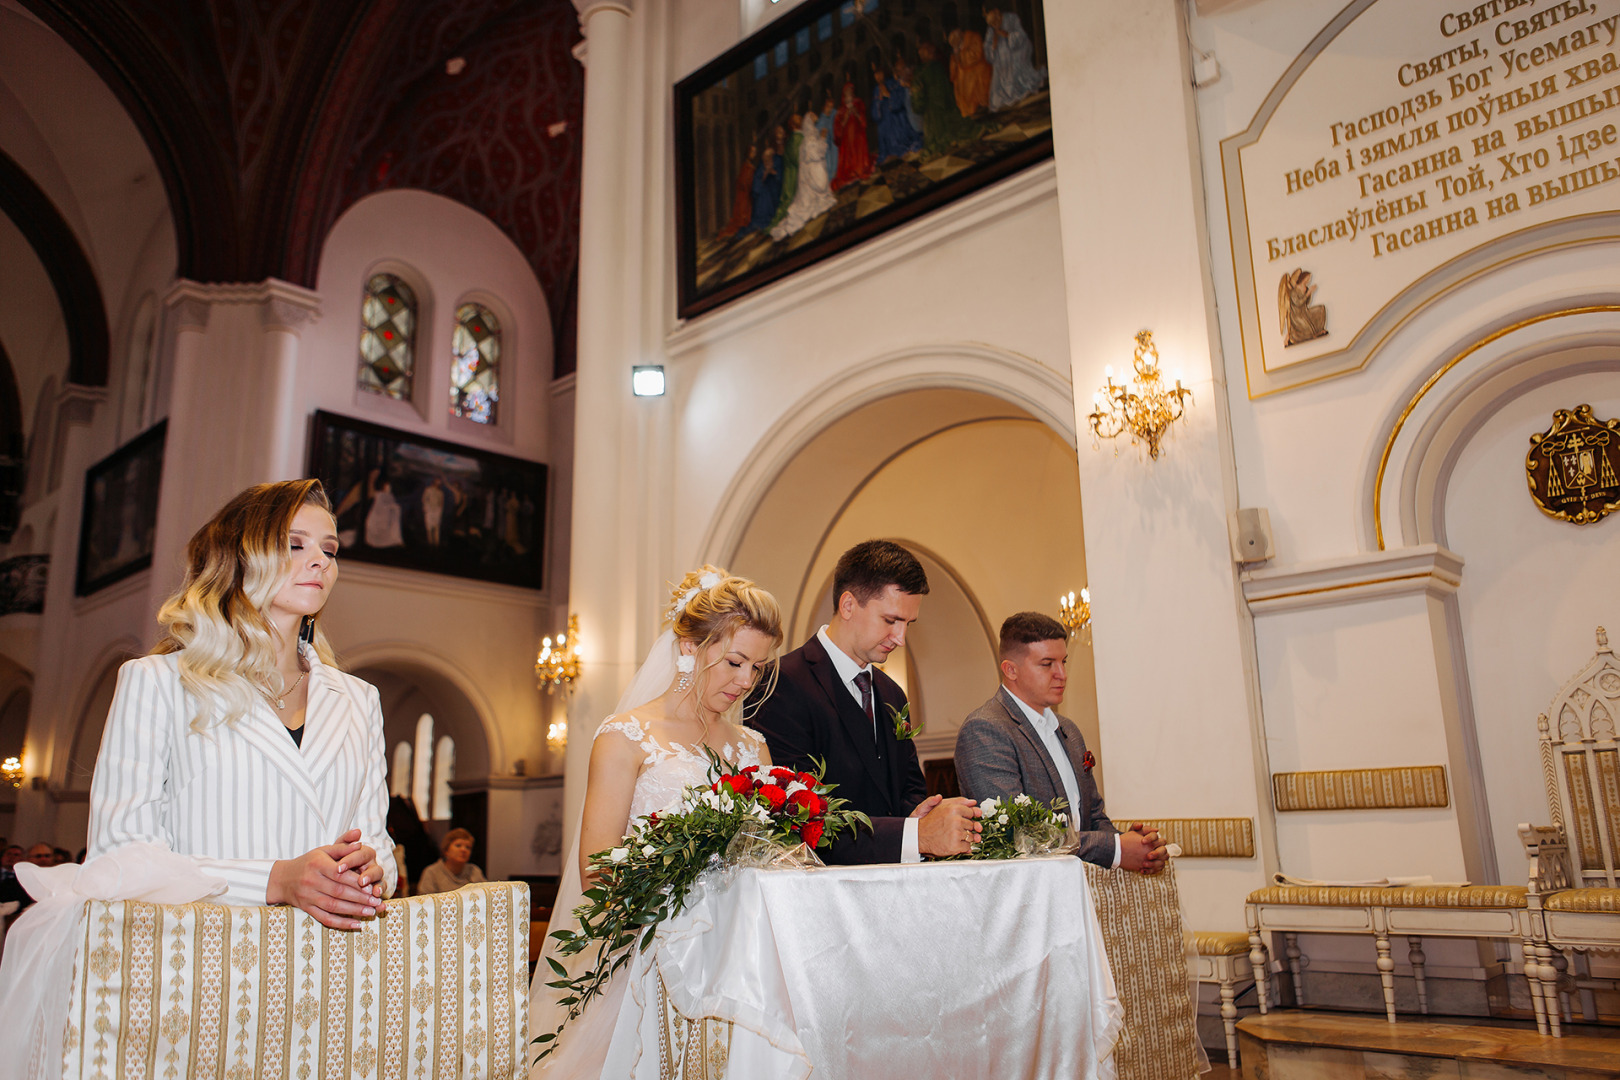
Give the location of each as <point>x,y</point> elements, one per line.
<point>1087,762</point>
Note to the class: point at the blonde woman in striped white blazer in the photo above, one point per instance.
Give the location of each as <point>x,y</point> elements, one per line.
<point>239,742</point>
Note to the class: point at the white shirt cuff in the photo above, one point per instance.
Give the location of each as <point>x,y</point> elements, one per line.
<point>1119,853</point>
<point>909,852</point>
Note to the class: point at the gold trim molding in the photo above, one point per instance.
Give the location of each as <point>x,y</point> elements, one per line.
<point>1205,838</point>
<point>1402,787</point>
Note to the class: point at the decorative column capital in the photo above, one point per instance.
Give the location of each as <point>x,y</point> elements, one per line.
<point>588,8</point>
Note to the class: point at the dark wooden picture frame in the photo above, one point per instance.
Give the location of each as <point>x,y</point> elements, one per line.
<point>959,104</point>
<point>120,511</point>
<point>486,520</point>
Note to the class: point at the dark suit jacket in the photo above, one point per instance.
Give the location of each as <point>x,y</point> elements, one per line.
<point>1000,754</point>
<point>812,715</point>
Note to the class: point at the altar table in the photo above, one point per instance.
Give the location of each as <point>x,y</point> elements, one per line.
<point>958,969</point>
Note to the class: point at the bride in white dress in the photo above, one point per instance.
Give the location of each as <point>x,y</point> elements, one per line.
<point>724,633</point>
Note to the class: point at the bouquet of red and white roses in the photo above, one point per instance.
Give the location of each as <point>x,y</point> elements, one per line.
<point>646,880</point>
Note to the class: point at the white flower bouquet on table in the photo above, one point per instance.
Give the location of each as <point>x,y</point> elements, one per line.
<point>1022,827</point>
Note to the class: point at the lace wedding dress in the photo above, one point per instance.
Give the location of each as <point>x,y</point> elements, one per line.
<point>666,772</point>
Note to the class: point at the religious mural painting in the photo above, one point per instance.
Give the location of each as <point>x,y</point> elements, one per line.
<point>1572,466</point>
<point>844,119</point>
<point>421,504</point>
<point>120,511</point>
<point>22,584</point>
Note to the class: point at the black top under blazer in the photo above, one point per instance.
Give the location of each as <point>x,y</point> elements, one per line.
<point>811,714</point>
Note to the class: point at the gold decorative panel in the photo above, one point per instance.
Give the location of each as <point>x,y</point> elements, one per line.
<point>1204,838</point>
<point>437,986</point>
<point>1405,787</point>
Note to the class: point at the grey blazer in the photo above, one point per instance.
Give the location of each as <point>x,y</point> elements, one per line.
<point>1000,754</point>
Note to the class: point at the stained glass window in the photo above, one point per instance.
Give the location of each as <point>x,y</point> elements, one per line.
<point>388,337</point>
<point>475,367</point>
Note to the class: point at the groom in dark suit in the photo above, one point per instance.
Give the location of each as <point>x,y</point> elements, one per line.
<point>833,704</point>
<point>1015,744</point>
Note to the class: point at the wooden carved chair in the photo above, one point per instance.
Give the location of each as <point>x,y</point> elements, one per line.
<point>1574,894</point>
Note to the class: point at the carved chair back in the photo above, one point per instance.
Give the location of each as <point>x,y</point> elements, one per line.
<point>1580,766</point>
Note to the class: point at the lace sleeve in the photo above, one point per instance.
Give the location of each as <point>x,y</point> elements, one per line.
<point>750,745</point>
<point>626,725</point>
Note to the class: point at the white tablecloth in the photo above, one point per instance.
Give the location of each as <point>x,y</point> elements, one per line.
<point>985,969</point>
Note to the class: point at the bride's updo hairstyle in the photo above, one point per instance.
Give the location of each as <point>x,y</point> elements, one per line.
<point>216,621</point>
<point>711,605</point>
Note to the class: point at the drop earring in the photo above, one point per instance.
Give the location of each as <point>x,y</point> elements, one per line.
<point>685,665</point>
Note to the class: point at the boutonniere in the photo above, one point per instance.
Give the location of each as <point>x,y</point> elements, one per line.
<point>1087,762</point>
<point>904,727</point>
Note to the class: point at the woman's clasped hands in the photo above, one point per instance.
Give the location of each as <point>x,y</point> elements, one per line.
<point>337,884</point>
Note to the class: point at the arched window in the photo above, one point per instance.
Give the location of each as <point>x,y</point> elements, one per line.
<point>422,773</point>
<point>475,367</point>
<point>400,784</point>
<point>388,337</point>
<point>444,769</point>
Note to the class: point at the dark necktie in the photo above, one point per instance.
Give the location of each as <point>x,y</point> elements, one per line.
<point>863,681</point>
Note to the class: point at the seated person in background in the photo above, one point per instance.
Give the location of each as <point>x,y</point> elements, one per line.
<point>10,888</point>
<point>41,854</point>
<point>454,869</point>
<point>1014,744</point>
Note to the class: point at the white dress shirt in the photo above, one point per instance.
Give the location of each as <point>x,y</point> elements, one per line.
<point>239,797</point>
<point>1045,724</point>
<point>847,670</point>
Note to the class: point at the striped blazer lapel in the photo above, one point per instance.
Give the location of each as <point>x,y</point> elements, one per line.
<point>263,729</point>
<point>329,718</point>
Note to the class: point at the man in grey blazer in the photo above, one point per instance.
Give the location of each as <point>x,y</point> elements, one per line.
<point>1014,744</point>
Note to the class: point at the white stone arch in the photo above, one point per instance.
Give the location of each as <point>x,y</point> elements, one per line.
<point>1546,321</point>
<point>1023,381</point>
<point>409,654</point>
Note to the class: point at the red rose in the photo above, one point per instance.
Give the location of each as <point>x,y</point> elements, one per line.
<point>812,802</point>
<point>808,779</point>
<point>750,770</point>
<point>811,833</point>
<point>740,784</point>
<point>652,818</point>
<point>773,795</point>
<point>1087,762</point>
<point>783,776</point>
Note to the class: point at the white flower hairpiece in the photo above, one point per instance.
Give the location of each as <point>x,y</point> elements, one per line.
<point>707,581</point>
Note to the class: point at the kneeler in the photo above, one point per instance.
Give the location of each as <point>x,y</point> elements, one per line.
<point>437,986</point>
<point>1141,926</point>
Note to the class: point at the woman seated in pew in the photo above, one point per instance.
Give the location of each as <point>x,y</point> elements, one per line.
<point>454,869</point>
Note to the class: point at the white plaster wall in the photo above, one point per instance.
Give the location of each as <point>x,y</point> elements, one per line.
<point>1534,591</point>
<point>449,254</point>
<point>1352,687</point>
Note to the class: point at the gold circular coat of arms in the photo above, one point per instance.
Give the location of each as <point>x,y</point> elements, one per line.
<point>1572,466</point>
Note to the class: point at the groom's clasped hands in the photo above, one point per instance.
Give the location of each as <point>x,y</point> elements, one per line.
<point>946,826</point>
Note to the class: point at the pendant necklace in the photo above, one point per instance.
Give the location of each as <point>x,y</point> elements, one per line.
<point>281,702</point>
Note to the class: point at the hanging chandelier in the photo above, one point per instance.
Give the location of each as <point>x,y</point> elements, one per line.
<point>558,665</point>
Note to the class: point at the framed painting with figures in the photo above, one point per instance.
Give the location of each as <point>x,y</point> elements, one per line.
<point>422,504</point>
<point>843,119</point>
<point>120,511</point>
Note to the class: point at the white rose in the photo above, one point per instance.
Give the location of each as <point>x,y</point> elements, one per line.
<point>619,854</point>
<point>988,807</point>
<point>649,850</point>
<point>1023,800</point>
<point>793,785</point>
<point>1001,820</point>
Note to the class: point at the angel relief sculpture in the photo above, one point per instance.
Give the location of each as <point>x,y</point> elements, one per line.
<point>1301,320</point>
